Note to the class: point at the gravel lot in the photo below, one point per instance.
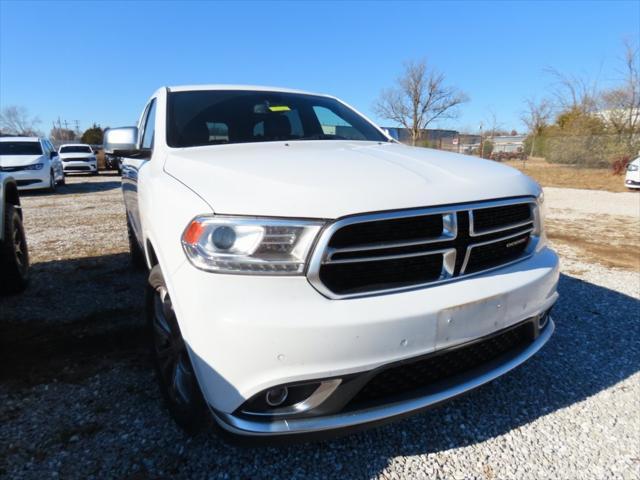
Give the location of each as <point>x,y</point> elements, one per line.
<point>78,398</point>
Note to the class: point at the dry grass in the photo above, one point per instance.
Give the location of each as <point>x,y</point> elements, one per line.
<point>554,175</point>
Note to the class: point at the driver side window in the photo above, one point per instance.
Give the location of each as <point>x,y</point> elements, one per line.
<point>149,127</point>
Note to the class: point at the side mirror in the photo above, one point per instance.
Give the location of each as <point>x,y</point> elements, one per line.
<point>121,141</point>
<point>53,154</point>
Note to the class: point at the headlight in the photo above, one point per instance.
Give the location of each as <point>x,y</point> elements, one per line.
<point>249,245</point>
<point>35,166</point>
<point>632,168</point>
<point>541,214</point>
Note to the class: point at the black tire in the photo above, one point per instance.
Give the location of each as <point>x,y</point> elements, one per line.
<point>174,371</point>
<point>135,252</point>
<point>52,182</point>
<point>63,181</point>
<point>14,254</point>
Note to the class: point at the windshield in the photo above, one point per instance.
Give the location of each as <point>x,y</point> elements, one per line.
<point>211,117</point>
<point>76,149</point>
<point>20,148</point>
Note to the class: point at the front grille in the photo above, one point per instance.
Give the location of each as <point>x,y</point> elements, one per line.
<point>77,159</point>
<point>394,230</point>
<point>485,219</point>
<point>391,251</point>
<point>416,375</point>
<point>493,254</point>
<point>381,274</point>
<point>76,168</point>
<point>11,169</point>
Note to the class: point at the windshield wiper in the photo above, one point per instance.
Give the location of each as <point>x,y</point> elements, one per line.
<point>321,136</point>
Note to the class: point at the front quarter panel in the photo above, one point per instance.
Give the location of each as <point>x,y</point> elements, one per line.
<point>167,206</point>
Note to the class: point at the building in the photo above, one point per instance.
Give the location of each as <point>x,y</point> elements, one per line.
<point>434,138</point>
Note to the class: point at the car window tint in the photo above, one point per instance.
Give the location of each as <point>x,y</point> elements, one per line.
<point>240,116</point>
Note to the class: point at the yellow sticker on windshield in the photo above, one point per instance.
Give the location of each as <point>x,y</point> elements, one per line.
<point>279,108</point>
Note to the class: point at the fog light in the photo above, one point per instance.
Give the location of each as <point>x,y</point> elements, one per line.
<point>276,396</point>
<point>542,320</point>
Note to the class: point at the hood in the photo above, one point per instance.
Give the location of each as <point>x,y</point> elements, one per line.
<point>19,160</point>
<point>330,179</point>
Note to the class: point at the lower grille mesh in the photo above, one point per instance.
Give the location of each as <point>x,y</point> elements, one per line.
<point>415,375</point>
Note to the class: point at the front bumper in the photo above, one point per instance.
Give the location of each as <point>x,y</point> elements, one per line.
<point>31,179</point>
<point>71,166</point>
<point>380,414</point>
<point>630,183</point>
<point>246,334</point>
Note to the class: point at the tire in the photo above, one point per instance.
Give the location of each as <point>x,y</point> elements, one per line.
<point>136,254</point>
<point>14,254</point>
<point>174,371</point>
<point>52,182</point>
<point>63,181</point>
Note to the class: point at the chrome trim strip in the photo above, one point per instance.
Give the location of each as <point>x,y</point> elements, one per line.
<point>324,391</point>
<point>256,428</point>
<point>473,233</point>
<point>389,257</point>
<point>321,250</point>
<point>470,247</point>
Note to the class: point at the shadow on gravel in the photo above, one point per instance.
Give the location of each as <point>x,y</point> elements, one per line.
<point>72,311</point>
<point>76,188</point>
<point>90,316</point>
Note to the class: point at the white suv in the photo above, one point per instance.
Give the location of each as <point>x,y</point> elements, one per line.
<point>78,158</point>
<point>33,162</point>
<point>309,274</point>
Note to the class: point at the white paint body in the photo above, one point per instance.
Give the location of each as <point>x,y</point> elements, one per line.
<point>632,178</point>
<point>78,162</point>
<point>32,179</point>
<point>247,333</point>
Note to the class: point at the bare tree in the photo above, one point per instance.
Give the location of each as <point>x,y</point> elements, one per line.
<point>15,120</point>
<point>622,104</point>
<point>573,93</point>
<point>419,98</point>
<point>536,118</point>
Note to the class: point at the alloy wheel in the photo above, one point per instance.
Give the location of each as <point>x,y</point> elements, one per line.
<point>170,350</point>
<point>19,247</point>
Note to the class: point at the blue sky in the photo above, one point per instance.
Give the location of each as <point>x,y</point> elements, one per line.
<point>100,61</point>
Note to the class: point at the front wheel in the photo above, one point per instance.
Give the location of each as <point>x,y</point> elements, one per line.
<point>135,252</point>
<point>14,255</point>
<point>174,370</point>
<point>52,182</point>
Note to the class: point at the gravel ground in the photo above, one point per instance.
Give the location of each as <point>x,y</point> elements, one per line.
<point>78,398</point>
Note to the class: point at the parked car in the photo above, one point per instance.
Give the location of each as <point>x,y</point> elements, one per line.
<point>78,158</point>
<point>309,274</point>
<point>32,161</point>
<point>14,254</point>
<point>113,162</point>
<point>632,178</point>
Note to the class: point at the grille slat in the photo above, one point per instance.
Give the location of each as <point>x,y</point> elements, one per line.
<point>489,219</point>
<point>395,250</point>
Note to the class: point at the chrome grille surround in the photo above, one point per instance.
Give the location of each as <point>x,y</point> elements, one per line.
<point>323,254</point>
